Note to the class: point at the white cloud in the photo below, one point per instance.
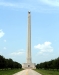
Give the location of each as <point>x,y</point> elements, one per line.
<point>4,48</point>
<point>4,40</point>
<point>44,48</point>
<point>16,5</point>
<point>1,33</point>
<point>36,6</point>
<point>51,2</point>
<point>6,4</point>
<point>17,53</point>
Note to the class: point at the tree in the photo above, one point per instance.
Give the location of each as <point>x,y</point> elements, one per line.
<point>57,63</point>
<point>8,63</point>
<point>37,66</point>
<point>2,62</point>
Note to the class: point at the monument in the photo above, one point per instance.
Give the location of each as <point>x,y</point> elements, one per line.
<point>29,63</point>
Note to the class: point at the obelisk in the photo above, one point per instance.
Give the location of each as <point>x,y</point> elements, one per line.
<point>29,39</point>
<point>29,64</point>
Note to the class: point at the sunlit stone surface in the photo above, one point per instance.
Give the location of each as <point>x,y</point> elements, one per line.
<point>29,63</point>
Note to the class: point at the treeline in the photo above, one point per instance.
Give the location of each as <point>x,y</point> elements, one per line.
<point>8,63</point>
<point>53,64</point>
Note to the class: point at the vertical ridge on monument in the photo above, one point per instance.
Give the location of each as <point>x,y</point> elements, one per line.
<point>29,63</point>
<point>29,39</point>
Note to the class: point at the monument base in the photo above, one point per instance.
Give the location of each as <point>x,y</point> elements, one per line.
<point>28,66</point>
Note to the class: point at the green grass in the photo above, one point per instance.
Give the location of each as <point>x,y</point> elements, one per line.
<point>47,72</point>
<point>9,72</point>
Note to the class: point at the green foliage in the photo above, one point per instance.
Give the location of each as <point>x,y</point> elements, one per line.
<point>2,62</point>
<point>53,64</point>
<point>8,63</point>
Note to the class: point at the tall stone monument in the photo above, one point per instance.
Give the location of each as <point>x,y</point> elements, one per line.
<point>29,63</point>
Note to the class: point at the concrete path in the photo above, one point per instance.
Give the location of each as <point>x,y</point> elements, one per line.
<point>27,72</point>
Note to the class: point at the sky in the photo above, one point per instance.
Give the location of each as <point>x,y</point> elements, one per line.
<point>44,29</point>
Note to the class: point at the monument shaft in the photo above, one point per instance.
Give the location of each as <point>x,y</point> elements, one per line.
<point>29,39</point>
<point>29,63</point>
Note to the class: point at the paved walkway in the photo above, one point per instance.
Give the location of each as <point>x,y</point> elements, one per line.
<point>27,72</point>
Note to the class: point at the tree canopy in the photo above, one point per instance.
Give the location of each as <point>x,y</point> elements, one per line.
<point>53,64</point>
<point>8,63</point>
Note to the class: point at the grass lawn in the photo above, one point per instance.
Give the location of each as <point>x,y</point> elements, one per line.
<point>9,72</point>
<point>47,72</point>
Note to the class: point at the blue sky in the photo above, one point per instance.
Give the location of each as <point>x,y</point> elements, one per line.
<point>44,25</point>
